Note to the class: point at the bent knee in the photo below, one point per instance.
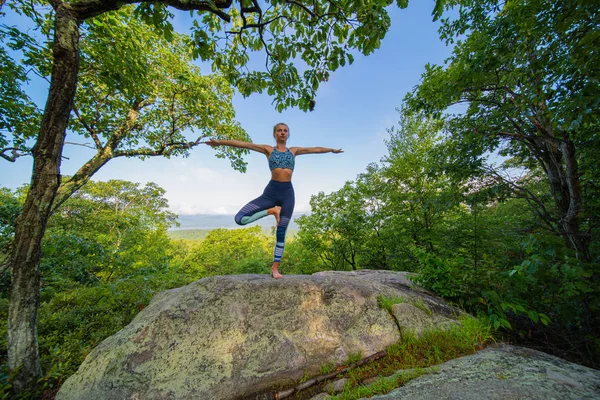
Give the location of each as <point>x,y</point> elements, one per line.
<point>238,219</point>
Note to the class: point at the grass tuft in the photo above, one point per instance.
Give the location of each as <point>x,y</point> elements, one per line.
<point>327,368</point>
<point>354,357</point>
<point>387,302</point>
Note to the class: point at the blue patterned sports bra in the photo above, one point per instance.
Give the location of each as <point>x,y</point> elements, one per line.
<point>279,159</point>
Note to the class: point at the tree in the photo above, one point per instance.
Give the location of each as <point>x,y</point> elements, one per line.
<point>335,229</point>
<point>320,36</point>
<point>373,221</point>
<point>528,73</point>
<point>230,251</point>
<point>107,231</point>
<point>377,244</point>
<point>418,190</point>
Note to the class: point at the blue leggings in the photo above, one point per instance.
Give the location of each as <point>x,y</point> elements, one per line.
<point>276,194</point>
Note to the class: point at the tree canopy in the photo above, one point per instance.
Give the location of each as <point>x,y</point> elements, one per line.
<point>527,73</point>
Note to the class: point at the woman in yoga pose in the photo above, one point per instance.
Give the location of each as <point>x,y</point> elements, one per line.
<point>278,198</point>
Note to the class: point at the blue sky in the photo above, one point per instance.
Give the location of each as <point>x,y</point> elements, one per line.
<point>354,110</point>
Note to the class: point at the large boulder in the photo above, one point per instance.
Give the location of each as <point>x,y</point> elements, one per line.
<point>229,336</point>
<point>503,373</point>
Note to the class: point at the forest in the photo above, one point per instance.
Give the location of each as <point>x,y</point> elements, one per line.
<point>489,191</point>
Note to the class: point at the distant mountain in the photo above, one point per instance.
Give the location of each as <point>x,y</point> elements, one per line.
<point>213,221</point>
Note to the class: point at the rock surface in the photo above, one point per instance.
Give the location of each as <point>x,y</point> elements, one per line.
<point>320,396</point>
<point>230,336</point>
<point>335,386</point>
<point>417,321</point>
<point>503,373</point>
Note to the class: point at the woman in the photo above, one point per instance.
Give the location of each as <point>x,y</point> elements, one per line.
<point>278,198</point>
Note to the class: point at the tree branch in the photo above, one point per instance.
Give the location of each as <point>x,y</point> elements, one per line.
<point>259,25</point>
<point>91,8</point>
<point>302,6</point>
<point>530,197</point>
<point>103,155</point>
<point>254,9</point>
<point>164,149</point>
<point>82,145</point>
<point>14,153</point>
<point>128,124</point>
<point>311,382</point>
<point>88,128</point>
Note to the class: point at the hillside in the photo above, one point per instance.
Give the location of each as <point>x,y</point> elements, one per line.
<point>213,221</point>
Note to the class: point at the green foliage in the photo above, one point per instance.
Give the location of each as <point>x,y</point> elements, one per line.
<point>106,231</point>
<point>19,116</point>
<point>372,222</point>
<point>383,384</point>
<point>149,65</point>
<point>157,72</point>
<point>321,40</point>
<point>546,275</point>
<point>298,259</point>
<point>105,255</point>
<point>530,288</point>
<point>354,357</point>
<point>326,368</point>
<point>335,229</point>
<point>10,207</point>
<point>142,98</point>
<point>527,79</point>
<point>225,252</point>
<point>447,277</point>
<point>387,302</point>
<point>188,234</point>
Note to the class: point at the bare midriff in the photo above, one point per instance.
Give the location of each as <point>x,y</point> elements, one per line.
<point>282,174</point>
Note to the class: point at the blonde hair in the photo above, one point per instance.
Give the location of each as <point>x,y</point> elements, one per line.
<point>281,123</point>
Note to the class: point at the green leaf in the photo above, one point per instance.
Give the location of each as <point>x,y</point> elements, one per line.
<point>545,319</point>
<point>437,10</point>
<point>533,316</point>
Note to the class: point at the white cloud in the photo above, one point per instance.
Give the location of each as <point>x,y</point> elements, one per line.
<point>186,209</point>
<point>220,211</point>
<point>206,175</point>
<point>191,209</point>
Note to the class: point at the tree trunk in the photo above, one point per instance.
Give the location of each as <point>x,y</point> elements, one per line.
<point>23,354</point>
<point>77,181</point>
<point>560,164</point>
<point>570,218</point>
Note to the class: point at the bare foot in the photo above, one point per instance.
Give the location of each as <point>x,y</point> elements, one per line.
<point>276,275</point>
<point>275,211</point>
<point>274,272</point>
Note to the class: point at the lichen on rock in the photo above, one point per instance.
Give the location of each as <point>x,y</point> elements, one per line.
<point>503,373</point>
<point>229,336</point>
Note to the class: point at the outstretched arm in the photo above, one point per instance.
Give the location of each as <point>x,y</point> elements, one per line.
<point>261,148</point>
<point>297,151</point>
